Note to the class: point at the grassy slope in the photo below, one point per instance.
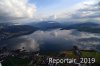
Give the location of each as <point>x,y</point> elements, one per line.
<point>85,54</point>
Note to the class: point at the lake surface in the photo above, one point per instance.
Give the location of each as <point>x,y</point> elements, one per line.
<point>55,40</point>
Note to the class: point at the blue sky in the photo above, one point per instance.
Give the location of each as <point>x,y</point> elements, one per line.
<point>49,7</point>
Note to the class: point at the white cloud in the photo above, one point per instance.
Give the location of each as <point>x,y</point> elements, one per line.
<point>87,10</point>
<point>16,10</point>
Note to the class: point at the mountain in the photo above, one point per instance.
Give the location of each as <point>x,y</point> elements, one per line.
<point>46,25</point>
<point>85,27</point>
<point>7,32</point>
<point>87,24</point>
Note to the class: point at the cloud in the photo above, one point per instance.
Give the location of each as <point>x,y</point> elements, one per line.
<point>88,9</point>
<point>13,10</point>
<point>84,11</point>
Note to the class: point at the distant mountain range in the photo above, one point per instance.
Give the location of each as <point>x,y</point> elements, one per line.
<point>46,25</point>
<point>11,31</point>
<point>85,27</point>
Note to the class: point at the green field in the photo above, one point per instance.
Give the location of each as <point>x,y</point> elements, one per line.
<point>85,54</point>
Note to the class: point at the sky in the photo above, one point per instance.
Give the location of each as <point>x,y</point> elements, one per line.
<point>50,7</point>
<point>23,11</point>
